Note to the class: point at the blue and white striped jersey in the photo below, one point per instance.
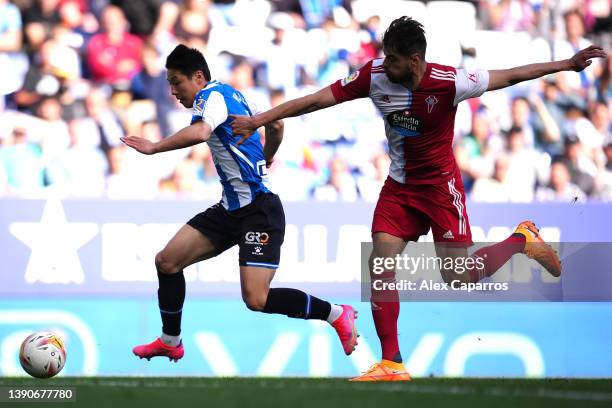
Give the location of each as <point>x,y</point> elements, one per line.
<point>242,169</point>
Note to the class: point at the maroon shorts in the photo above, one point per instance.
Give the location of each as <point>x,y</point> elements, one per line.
<point>408,211</point>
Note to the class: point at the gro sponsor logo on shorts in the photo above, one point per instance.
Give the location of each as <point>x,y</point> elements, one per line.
<point>256,238</point>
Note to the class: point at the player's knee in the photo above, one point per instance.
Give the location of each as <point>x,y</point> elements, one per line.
<point>379,269</point>
<point>165,264</point>
<point>255,301</point>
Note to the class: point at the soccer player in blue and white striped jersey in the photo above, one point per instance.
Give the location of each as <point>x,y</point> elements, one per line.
<point>249,214</point>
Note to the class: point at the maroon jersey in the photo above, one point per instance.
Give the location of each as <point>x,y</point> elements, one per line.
<point>419,124</point>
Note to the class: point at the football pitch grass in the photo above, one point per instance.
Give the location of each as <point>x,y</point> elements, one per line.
<point>148,392</point>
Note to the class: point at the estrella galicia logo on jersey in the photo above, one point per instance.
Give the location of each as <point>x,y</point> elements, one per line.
<point>431,102</point>
<point>349,78</point>
<point>256,238</point>
<point>404,123</point>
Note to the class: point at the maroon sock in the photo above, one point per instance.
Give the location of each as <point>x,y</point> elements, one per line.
<point>385,311</point>
<point>495,256</point>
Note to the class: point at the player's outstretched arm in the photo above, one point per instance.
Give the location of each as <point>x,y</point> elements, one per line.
<point>245,125</point>
<point>188,136</point>
<point>274,137</point>
<point>506,77</point>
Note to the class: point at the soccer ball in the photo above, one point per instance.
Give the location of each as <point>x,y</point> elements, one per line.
<point>42,355</point>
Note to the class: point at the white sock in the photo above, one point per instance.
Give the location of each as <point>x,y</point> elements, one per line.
<point>334,313</point>
<point>170,340</point>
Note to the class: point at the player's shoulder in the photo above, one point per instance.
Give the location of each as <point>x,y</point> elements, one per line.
<point>376,64</point>
<point>373,67</point>
<point>442,72</point>
<point>212,86</point>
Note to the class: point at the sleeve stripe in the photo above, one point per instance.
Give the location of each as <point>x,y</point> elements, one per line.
<point>443,78</point>
<point>435,71</point>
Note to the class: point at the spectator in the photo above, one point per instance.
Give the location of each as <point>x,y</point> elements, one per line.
<point>577,124</point>
<point>14,64</point>
<point>600,117</point>
<point>281,59</point>
<point>525,166</point>
<point>39,20</point>
<point>243,79</point>
<point>475,152</point>
<point>494,189</point>
<point>547,131</point>
<point>109,130</point>
<point>582,170</point>
<point>340,185</point>
<point>290,8</point>
<point>22,164</point>
<point>520,116</point>
<point>370,185</point>
<point>142,15</point>
<point>192,22</point>
<point>150,83</point>
<point>184,182</point>
<point>511,15</point>
<point>556,102</point>
<point>53,134</point>
<point>113,55</point>
<point>80,170</point>
<point>564,48</point>
<point>604,82</point>
<point>560,187</point>
<point>80,24</point>
<point>44,78</point>
<point>117,186</point>
<point>317,12</point>
<point>140,176</point>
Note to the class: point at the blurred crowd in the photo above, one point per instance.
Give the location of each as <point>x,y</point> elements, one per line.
<point>77,75</point>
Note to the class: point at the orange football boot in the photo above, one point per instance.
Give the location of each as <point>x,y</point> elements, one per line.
<point>536,248</point>
<point>384,371</point>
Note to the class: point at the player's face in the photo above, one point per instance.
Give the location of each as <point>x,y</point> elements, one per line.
<point>398,68</point>
<point>185,88</point>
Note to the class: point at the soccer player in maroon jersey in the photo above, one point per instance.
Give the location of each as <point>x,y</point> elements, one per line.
<point>418,101</point>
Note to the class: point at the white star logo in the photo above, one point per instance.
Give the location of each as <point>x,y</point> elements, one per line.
<point>54,243</point>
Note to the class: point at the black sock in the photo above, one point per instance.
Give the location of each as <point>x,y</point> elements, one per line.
<point>297,304</point>
<point>171,295</point>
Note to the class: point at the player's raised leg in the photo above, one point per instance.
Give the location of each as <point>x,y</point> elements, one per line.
<point>185,248</point>
<point>261,237</point>
<point>445,206</point>
<point>525,239</point>
<point>258,296</point>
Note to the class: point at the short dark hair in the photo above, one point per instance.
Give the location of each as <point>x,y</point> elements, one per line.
<point>405,36</point>
<point>187,61</point>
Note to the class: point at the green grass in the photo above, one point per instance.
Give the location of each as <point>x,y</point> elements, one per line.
<point>135,392</point>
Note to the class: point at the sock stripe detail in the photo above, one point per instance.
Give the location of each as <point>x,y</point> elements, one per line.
<point>307,306</point>
<point>169,312</point>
